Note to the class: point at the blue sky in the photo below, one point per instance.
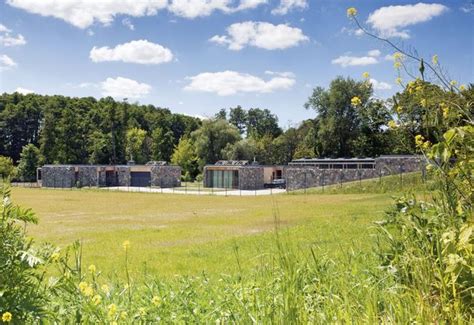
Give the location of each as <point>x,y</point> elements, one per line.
<point>198,56</point>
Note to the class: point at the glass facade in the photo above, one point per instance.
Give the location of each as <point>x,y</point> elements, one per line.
<point>223,178</point>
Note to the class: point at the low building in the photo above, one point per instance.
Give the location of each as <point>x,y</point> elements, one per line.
<point>158,174</point>
<point>306,173</point>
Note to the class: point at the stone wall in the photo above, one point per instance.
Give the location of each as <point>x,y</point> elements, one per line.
<point>251,178</point>
<point>299,177</point>
<point>165,176</point>
<point>87,176</point>
<point>58,176</point>
<point>123,175</point>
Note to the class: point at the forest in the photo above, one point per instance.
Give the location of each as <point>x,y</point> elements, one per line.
<point>349,121</point>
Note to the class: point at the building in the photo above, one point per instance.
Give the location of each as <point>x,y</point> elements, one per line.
<point>306,173</point>
<point>158,174</point>
<point>240,174</point>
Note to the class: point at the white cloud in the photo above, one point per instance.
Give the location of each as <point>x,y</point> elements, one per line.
<point>141,51</point>
<point>285,74</point>
<point>84,13</point>
<point>7,39</point>
<point>227,83</point>
<point>24,91</point>
<point>6,62</point>
<point>374,53</point>
<point>389,57</point>
<point>124,88</point>
<point>288,5</point>
<point>260,34</point>
<point>380,85</point>
<point>390,21</point>
<point>347,61</point>
<point>128,23</point>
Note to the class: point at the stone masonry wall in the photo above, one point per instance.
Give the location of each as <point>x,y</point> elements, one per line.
<point>58,176</point>
<point>123,175</point>
<point>251,178</point>
<point>87,176</point>
<point>165,176</point>
<point>299,177</point>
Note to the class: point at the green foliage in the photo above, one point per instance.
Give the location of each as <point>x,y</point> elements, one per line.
<point>134,143</point>
<point>7,169</point>
<point>30,160</point>
<point>184,155</point>
<point>21,280</point>
<point>212,138</point>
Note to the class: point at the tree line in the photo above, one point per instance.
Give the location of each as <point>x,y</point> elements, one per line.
<point>349,122</point>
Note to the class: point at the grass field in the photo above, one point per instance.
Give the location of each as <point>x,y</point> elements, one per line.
<point>178,234</point>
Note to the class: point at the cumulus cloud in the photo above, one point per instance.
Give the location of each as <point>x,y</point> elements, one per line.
<point>84,13</point>
<point>124,88</point>
<point>24,91</point>
<point>227,83</point>
<point>7,39</point>
<point>347,60</point>
<point>286,6</point>
<point>285,74</point>
<point>6,62</point>
<point>140,51</point>
<point>260,34</point>
<point>390,21</point>
<point>380,85</point>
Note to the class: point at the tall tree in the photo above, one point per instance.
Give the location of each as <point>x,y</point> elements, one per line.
<point>261,122</point>
<point>212,138</point>
<point>238,117</point>
<point>135,140</point>
<point>185,156</point>
<point>30,160</point>
<point>162,144</point>
<point>338,116</point>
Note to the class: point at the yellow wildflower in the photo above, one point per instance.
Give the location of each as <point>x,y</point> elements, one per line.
<point>7,317</point>
<point>397,56</point>
<point>83,286</point>
<point>55,257</point>
<point>397,65</point>
<point>88,291</point>
<point>399,109</point>
<point>423,102</point>
<point>434,59</point>
<point>392,124</point>
<point>92,268</point>
<point>123,315</point>
<point>445,112</point>
<point>105,288</point>
<point>419,139</point>
<point>426,145</point>
<point>398,81</point>
<point>462,87</point>
<point>355,101</point>
<point>126,245</point>
<point>366,75</point>
<point>96,300</point>
<point>419,88</point>
<point>112,309</point>
<point>453,83</point>
<point>351,12</point>
<point>156,301</point>
<point>142,311</point>
<point>113,323</point>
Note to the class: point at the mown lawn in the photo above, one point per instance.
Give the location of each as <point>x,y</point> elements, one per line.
<point>179,234</point>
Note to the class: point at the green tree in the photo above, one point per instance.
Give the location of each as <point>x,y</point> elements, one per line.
<point>212,138</point>
<point>162,144</point>
<point>338,118</point>
<point>30,160</point>
<point>261,122</point>
<point>135,139</point>
<point>184,155</point>
<point>7,169</point>
<point>238,117</point>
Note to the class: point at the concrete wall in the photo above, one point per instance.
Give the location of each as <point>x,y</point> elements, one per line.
<point>299,177</point>
<point>165,176</point>
<point>251,178</point>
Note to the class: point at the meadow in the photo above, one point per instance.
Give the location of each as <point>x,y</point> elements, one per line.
<point>186,235</point>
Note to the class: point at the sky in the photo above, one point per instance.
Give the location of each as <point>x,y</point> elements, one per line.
<point>198,56</point>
